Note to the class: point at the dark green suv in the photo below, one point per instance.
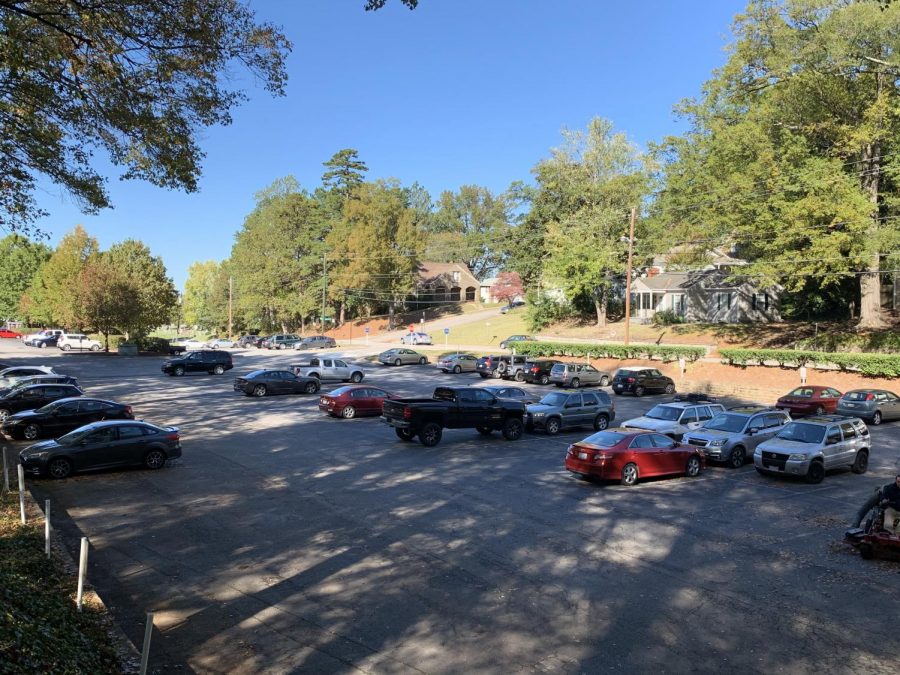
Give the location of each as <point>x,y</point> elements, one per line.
<point>212,361</point>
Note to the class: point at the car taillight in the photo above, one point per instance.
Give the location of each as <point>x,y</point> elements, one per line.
<point>600,457</point>
<point>535,369</point>
<point>629,380</point>
<point>407,413</point>
<point>570,450</point>
<point>172,437</point>
<point>870,397</point>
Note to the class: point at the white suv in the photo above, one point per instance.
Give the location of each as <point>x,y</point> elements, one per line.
<point>69,341</point>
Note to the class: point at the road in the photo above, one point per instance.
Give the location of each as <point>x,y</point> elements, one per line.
<point>287,542</point>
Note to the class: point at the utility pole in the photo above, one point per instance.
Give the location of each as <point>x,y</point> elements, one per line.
<point>628,277</point>
<point>230,304</point>
<point>324,286</point>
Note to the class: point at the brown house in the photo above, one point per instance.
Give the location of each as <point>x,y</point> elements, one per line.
<point>445,282</point>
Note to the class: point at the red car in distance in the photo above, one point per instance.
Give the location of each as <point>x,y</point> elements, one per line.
<point>627,455</point>
<point>810,400</point>
<point>353,401</point>
<point>7,333</point>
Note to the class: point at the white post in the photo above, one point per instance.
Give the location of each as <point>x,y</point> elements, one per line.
<point>446,338</point>
<point>82,571</point>
<point>145,651</point>
<point>47,527</point>
<point>5,473</point>
<point>22,493</point>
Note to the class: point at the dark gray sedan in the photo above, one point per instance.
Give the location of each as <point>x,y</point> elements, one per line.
<point>268,382</point>
<point>872,405</point>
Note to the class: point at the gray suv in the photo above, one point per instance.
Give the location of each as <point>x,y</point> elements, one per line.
<point>732,436</point>
<point>675,419</point>
<point>576,375</point>
<point>811,446</point>
<point>562,410</point>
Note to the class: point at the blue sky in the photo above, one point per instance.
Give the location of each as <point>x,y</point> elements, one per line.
<point>456,92</point>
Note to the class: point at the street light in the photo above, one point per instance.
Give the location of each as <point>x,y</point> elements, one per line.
<point>630,240</point>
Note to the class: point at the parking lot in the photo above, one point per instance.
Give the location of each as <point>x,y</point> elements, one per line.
<point>285,541</point>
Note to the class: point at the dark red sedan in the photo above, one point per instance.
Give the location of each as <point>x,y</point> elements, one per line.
<point>627,455</point>
<point>353,401</point>
<point>810,400</point>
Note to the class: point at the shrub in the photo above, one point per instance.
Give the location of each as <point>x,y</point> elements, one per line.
<point>543,311</point>
<point>667,317</point>
<point>871,365</point>
<point>611,351</point>
<point>152,344</point>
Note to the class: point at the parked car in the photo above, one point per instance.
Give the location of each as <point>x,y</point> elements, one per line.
<point>46,340</point>
<point>10,376</point>
<point>260,341</point>
<point>34,396</point>
<point>41,334</point>
<point>810,400</point>
<point>7,333</point>
<point>733,435</point>
<point>247,340</point>
<point>513,305</point>
<point>178,345</point>
<point>40,379</point>
<point>458,363</point>
<point>872,405</point>
<point>285,341</point>
<point>416,339</point>
<point>316,342</point>
<point>511,341</point>
<point>675,419</point>
<point>627,455</point>
<point>269,382</point>
<point>326,368</point>
<point>814,445</point>
<point>453,408</point>
<point>538,371</point>
<point>220,343</point>
<point>577,375</point>
<point>214,362</point>
<point>640,380</point>
<point>401,357</point>
<point>103,445</point>
<point>354,401</point>
<point>512,393</point>
<point>563,410</point>
<point>512,367</point>
<point>62,416</point>
<point>69,341</point>
<point>497,366</point>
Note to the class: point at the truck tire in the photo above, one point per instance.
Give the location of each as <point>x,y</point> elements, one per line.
<point>404,434</point>
<point>512,429</point>
<point>430,434</point>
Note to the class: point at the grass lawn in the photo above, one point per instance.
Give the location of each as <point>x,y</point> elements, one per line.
<point>488,332</point>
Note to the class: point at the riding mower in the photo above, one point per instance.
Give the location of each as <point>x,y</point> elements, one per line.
<point>870,537</point>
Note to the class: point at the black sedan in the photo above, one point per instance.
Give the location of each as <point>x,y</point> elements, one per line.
<point>34,396</point>
<point>63,416</point>
<point>103,445</point>
<point>265,382</point>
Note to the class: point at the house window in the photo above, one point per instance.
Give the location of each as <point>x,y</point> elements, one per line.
<point>678,303</point>
<point>761,301</point>
<point>723,300</point>
<point>455,276</point>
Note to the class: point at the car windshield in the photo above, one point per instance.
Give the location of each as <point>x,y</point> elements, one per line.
<point>726,422</point>
<point>604,439</point>
<point>74,437</point>
<point>50,407</point>
<point>554,399</point>
<point>664,412</point>
<point>802,433</point>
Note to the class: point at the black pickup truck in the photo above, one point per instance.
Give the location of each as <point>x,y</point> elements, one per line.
<point>454,408</point>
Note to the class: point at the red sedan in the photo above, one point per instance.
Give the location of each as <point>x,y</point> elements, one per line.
<point>353,401</point>
<point>6,333</point>
<point>810,400</point>
<point>626,455</point>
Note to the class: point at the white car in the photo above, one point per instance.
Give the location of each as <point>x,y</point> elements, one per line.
<point>9,376</point>
<point>220,343</point>
<point>675,419</point>
<point>69,341</point>
<point>416,339</point>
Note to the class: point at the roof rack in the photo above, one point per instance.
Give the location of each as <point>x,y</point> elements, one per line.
<point>694,397</point>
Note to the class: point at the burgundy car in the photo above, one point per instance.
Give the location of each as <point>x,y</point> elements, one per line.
<point>353,401</point>
<point>627,455</point>
<point>810,400</point>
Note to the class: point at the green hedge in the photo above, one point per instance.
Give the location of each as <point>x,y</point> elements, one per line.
<point>610,351</point>
<point>873,365</point>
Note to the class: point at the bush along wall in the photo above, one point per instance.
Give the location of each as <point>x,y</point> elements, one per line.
<point>610,351</point>
<point>873,365</point>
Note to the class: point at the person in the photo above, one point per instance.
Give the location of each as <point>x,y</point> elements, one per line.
<point>890,500</point>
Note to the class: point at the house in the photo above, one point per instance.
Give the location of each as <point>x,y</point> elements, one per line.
<point>487,292</point>
<point>711,291</point>
<point>445,282</point>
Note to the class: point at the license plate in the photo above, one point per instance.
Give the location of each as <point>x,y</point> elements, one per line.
<point>772,467</point>
<point>850,405</point>
<point>617,386</point>
<point>582,455</point>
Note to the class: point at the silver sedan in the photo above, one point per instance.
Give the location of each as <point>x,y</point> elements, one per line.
<point>401,356</point>
<point>458,363</point>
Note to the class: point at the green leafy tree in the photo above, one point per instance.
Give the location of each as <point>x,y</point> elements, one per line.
<point>199,306</point>
<point>345,173</point>
<point>107,297</point>
<point>155,298</point>
<point>21,259</point>
<point>136,80</point>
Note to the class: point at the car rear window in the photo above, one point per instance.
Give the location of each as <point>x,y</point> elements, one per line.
<point>802,392</point>
<point>558,368</point>
<point>340,391</point>
<point>604,439</point>
<point>856,396</point>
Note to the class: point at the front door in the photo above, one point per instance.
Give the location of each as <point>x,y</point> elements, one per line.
<point>572,411</point>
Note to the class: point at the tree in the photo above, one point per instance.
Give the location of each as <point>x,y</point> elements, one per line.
<point>107,296</point>
<point>508,287</point>
<point>346,172</point>
<point>155,298</point>
<point>199,305</point>
<point>137,80</point>
<point>21,259</point>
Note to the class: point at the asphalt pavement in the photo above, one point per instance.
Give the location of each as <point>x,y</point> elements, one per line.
<point>284,541</point>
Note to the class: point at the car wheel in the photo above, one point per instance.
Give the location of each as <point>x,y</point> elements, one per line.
<point>259,390</point>
<point>31,431</point>
<point>576,383</point>
<point>876,418</point>
<point>484,431</point>
<point>512,429</point>
<point>861,463</point>
<point>670,388</point>
<point>349,412</point>
<point>820,410</point>
<point>404,434</point>
<point>155,459</point>
<point>497,374</point>
<point>693,467</point>
<point>604,381</point>
<point>67,348</point>
<point>4,414</point>
<point>816,473</point>
<point>356,377</point>
<point>629,474</point>
<point>545,379</point>
<point>179,370</point>
<point>311,387</point>
<point>42,345</point>
<point>601,422</point>
<point>457,370</point>
<point>738,457</point>
<point>519,376</point>
<point>423,361</point>
<point>219,369</point>
<point>430,435</point>
<point>59,468</point>
<point>95,348</point>
<point>397,362</point>
<point>552,426</point>
<point>638,391</point>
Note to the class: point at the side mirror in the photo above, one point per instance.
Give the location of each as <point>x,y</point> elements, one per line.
<point>753,430</point>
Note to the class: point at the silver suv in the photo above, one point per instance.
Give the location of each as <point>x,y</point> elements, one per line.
<point>512,367</point>
<point>675,419</point>
<point>576,375</point>
<point>562,410</point>
<point>733,435</point>
<point>811,446</point>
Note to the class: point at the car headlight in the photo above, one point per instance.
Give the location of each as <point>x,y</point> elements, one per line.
<point>37,455</point>
<point>802,456</point>
<point>718,442</point>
